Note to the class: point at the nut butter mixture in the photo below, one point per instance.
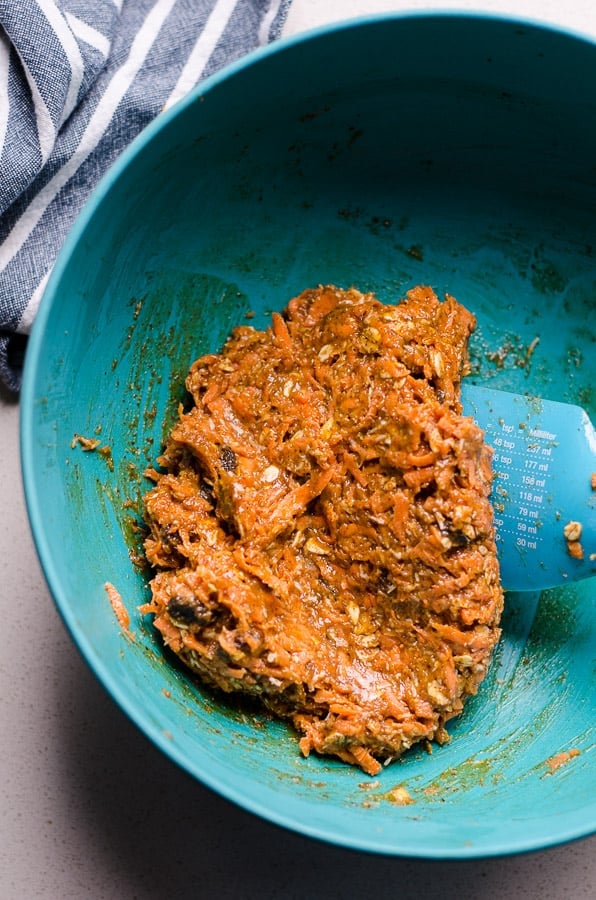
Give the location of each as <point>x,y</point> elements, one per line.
<point>320,529</point>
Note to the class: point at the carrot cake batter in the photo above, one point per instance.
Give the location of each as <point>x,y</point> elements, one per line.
<point>320,529</point>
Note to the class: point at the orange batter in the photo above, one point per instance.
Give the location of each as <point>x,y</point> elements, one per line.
<point>320,528</point>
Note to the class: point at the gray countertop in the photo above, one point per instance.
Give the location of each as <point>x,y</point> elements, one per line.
<point>90,808</point>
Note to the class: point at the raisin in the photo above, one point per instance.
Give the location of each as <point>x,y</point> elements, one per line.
<point>458,538</point>
<point>189,612</point>
<point>228,459</point>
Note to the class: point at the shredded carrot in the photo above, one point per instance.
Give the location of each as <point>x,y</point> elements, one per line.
<point>119,608</point>
<point>280,330</point>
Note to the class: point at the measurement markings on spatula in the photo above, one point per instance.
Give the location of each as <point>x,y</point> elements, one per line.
<point>544,463</point>
<point>522,463</point>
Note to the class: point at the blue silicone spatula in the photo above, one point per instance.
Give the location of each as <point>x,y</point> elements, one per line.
<point>544,460</point>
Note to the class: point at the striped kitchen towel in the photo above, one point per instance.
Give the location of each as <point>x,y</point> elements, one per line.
<point>78,80</point>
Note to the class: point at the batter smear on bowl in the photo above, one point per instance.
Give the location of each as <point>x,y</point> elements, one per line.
<point>320,528</point>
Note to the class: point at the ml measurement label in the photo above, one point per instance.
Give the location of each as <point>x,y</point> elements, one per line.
<point>522,462</point>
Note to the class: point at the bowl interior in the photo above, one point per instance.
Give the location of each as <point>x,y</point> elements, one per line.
<point>448,150</point>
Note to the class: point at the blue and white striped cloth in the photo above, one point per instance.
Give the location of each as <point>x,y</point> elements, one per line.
<point>78,80</point>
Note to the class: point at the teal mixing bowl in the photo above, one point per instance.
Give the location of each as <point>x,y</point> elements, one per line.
<point>452,150</point>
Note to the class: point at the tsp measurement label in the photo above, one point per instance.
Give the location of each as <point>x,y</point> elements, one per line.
<point>522,462</point>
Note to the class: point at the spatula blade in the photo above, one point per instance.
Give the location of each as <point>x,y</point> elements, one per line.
<point>544,459</point>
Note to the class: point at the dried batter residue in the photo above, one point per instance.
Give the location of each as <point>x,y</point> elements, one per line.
<point>90,445</point>
<point>573,532</point>
<point>560,759</point>
<point>399,796</point>
<point>85,443</point>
